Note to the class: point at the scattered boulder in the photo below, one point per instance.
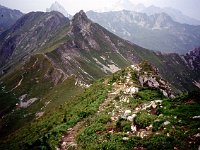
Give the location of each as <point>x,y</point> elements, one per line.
<point>153,105</point>
<point>164,93</point>
<point>133,128</point>
<point>131,90</point>
<point>166,123</point>
<point>127,113</point>
<point>196,117</point>
<point>39,114</point>
<point>130,118</point>
<point>197,135</point>
<point>125,138</point>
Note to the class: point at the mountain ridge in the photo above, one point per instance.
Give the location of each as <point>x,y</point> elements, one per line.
<point>176,14</point>
<point>17,39</point>
<point>157,32</point>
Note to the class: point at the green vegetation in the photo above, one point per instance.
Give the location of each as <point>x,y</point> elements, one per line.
<point>123,125</point>
<point>70,104</point>
<point>149,94</point>
<point>37,81</point>
<point>98,134</point>
<point>53,99</point>
<point>46,131</point>
<point>32,78</point>
<point>144,119</point>
<point>7,101</point>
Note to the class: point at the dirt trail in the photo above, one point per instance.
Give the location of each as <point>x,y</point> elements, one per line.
<point>107,101</point>
<point>68,141</point>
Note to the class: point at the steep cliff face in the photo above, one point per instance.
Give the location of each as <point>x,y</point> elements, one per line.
<point>193,59</point>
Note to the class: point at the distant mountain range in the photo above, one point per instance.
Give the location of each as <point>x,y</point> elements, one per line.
<point>57,7</point>
<point>157,32</point>
<point>8,17</point>
<point>176,15</point>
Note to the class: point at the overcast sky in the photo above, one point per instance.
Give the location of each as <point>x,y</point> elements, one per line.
<point>188,7</point>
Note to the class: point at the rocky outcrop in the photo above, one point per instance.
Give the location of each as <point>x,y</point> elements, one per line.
<point>153,82</point>
<point>152,79</point>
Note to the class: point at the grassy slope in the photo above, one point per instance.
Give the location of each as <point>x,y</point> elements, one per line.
<point>96,135</point>
<point>180,133</point>
<point>36,85</point>
<point>46,131</point>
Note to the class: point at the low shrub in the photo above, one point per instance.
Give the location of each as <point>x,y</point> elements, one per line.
<point>143,119</point>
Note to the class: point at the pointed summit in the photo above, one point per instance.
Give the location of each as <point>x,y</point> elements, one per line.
<point>81,15</point>
<point>58,7</point>
<point>81,22</point>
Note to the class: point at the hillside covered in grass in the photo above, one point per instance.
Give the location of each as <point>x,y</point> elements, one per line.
<point>131,109</point>
<point>141,117</point>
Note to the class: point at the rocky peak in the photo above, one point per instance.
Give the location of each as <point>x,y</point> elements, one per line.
<point>149,76</point>
<point>58,7</point>
<point>81,23</point>
<point>193,55</point>
<point>84,29</point>
<point>80,17</point>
